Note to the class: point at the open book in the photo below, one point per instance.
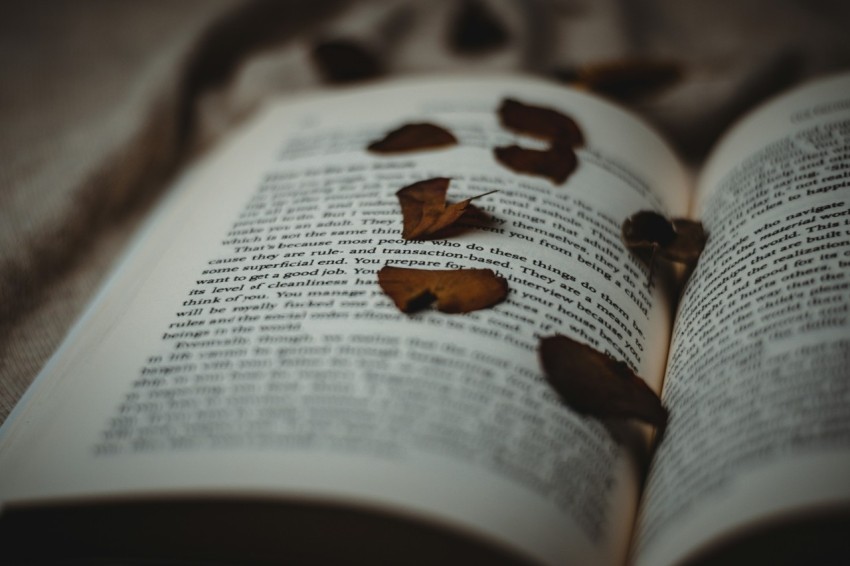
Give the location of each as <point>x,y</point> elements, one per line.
<point>241,384</point>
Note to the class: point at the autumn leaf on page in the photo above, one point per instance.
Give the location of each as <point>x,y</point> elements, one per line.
<point>540,122</point>
<point>648,234</point>
<point>414,137</point>
<point>559,160</point>
<point>631,79</point>
<point>425,211</point>
<point>455,290</point>
<point>554,164</point>
<point>598,385</point>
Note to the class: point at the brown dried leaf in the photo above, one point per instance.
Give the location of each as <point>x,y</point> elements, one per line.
<point>540,122</point>
<point>689,242</point>
<point>555,163</point>
<point>598,385</point>
<point>678,240</point>
<point>472,218</point>
<point>413,137</point>
<point>476,29</point>
<point>456,290</point>
<point>630,79</point>
<point>343,61</point>
<point>424,208</point>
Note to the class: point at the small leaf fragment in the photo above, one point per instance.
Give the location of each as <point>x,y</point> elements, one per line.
<point>689,242</point>
<point>425,211</point>
<point>558,161</point>
<point>555,163</point>
<point>680,240</point>
<point>476,29</point>
<point>628,79</point>
<point>344,61</point>
<point>540,122</point>
<point>455,290</point>
<point>413,137</point>
<point>598,385</point>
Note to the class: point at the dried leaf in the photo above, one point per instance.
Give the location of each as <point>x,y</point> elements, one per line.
<point>424,208</point>
<point>476,30</point>
<point>689,242</point>
<point>540,122</point>
<point>678,240</point>
<point>412,137</point>
<point>555,163</point>
<point>630,79</point>
<point>472,217</point>
<point>455,290</point>
<point>343,61</point>
<point>598,385</point>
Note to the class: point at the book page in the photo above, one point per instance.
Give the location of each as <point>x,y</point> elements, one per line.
<point>757,380</point>
<point>246,346</point>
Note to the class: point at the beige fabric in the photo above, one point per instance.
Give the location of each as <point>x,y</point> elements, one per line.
<point>102,101</point>
<point>97,106</point>
<point>88,101</point>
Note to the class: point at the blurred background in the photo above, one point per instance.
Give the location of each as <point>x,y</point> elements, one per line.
<point>103,102</point>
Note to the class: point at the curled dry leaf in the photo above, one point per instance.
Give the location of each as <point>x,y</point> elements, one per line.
<point>598,385</point>
<point>343,61</point>
<point>540,122</point>
<point>476,29</point>
<point>555,163</point>
<point>689,242</point>
<point>455,290</point>
<point>628,79</point>
<point>413,137</point>
<point>559,160</point>
<point>678,240</point>
<point>424,208</point>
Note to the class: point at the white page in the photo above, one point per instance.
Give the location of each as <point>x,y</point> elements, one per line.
<point>305,381</point>
<point>758,380</point>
